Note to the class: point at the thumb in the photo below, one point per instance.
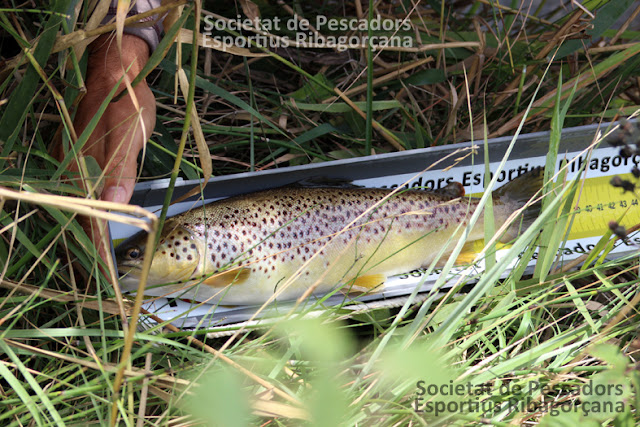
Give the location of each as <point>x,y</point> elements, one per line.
<point>118,193</point>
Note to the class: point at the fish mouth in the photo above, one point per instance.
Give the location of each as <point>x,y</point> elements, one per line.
<point>126,269</point>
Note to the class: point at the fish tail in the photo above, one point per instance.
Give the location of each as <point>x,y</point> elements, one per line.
<point>515,194</point>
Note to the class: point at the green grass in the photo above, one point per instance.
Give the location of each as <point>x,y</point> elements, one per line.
<point>69,355</point>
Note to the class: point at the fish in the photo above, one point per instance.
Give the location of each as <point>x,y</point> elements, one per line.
<point>295,240</point>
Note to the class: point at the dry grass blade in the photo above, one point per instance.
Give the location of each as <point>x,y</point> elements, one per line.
<point>84,301</point>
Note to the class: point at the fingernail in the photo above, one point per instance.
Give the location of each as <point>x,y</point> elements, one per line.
<point>115,194</point>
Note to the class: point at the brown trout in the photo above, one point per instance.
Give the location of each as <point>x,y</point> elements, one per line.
<point>243,249</point>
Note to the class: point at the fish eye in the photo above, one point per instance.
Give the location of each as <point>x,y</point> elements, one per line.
<point>133,253</point>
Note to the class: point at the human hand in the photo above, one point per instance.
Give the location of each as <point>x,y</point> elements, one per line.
<point>122,130</point>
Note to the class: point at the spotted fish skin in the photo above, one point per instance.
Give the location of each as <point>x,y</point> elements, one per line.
<point>243,249</point>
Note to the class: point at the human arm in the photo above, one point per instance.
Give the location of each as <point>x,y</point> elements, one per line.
<point>122,130</point>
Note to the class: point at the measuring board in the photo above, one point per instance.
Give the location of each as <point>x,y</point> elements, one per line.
<point>596,202</point>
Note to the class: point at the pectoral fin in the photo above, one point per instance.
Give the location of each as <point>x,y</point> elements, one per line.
<point>366,283</point>
<point>231,277</point>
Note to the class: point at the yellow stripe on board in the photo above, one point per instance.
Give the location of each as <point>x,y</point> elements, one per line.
<point>600,203</point>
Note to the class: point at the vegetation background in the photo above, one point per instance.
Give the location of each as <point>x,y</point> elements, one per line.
<point>524,347</point>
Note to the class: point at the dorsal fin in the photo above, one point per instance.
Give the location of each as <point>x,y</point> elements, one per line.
<point>453,190</point>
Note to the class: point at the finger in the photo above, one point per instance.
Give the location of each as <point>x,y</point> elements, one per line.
<point>98,232</point>
<point>124,145</point>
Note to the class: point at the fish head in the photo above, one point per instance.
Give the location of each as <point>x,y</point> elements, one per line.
<point>175,259</point>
